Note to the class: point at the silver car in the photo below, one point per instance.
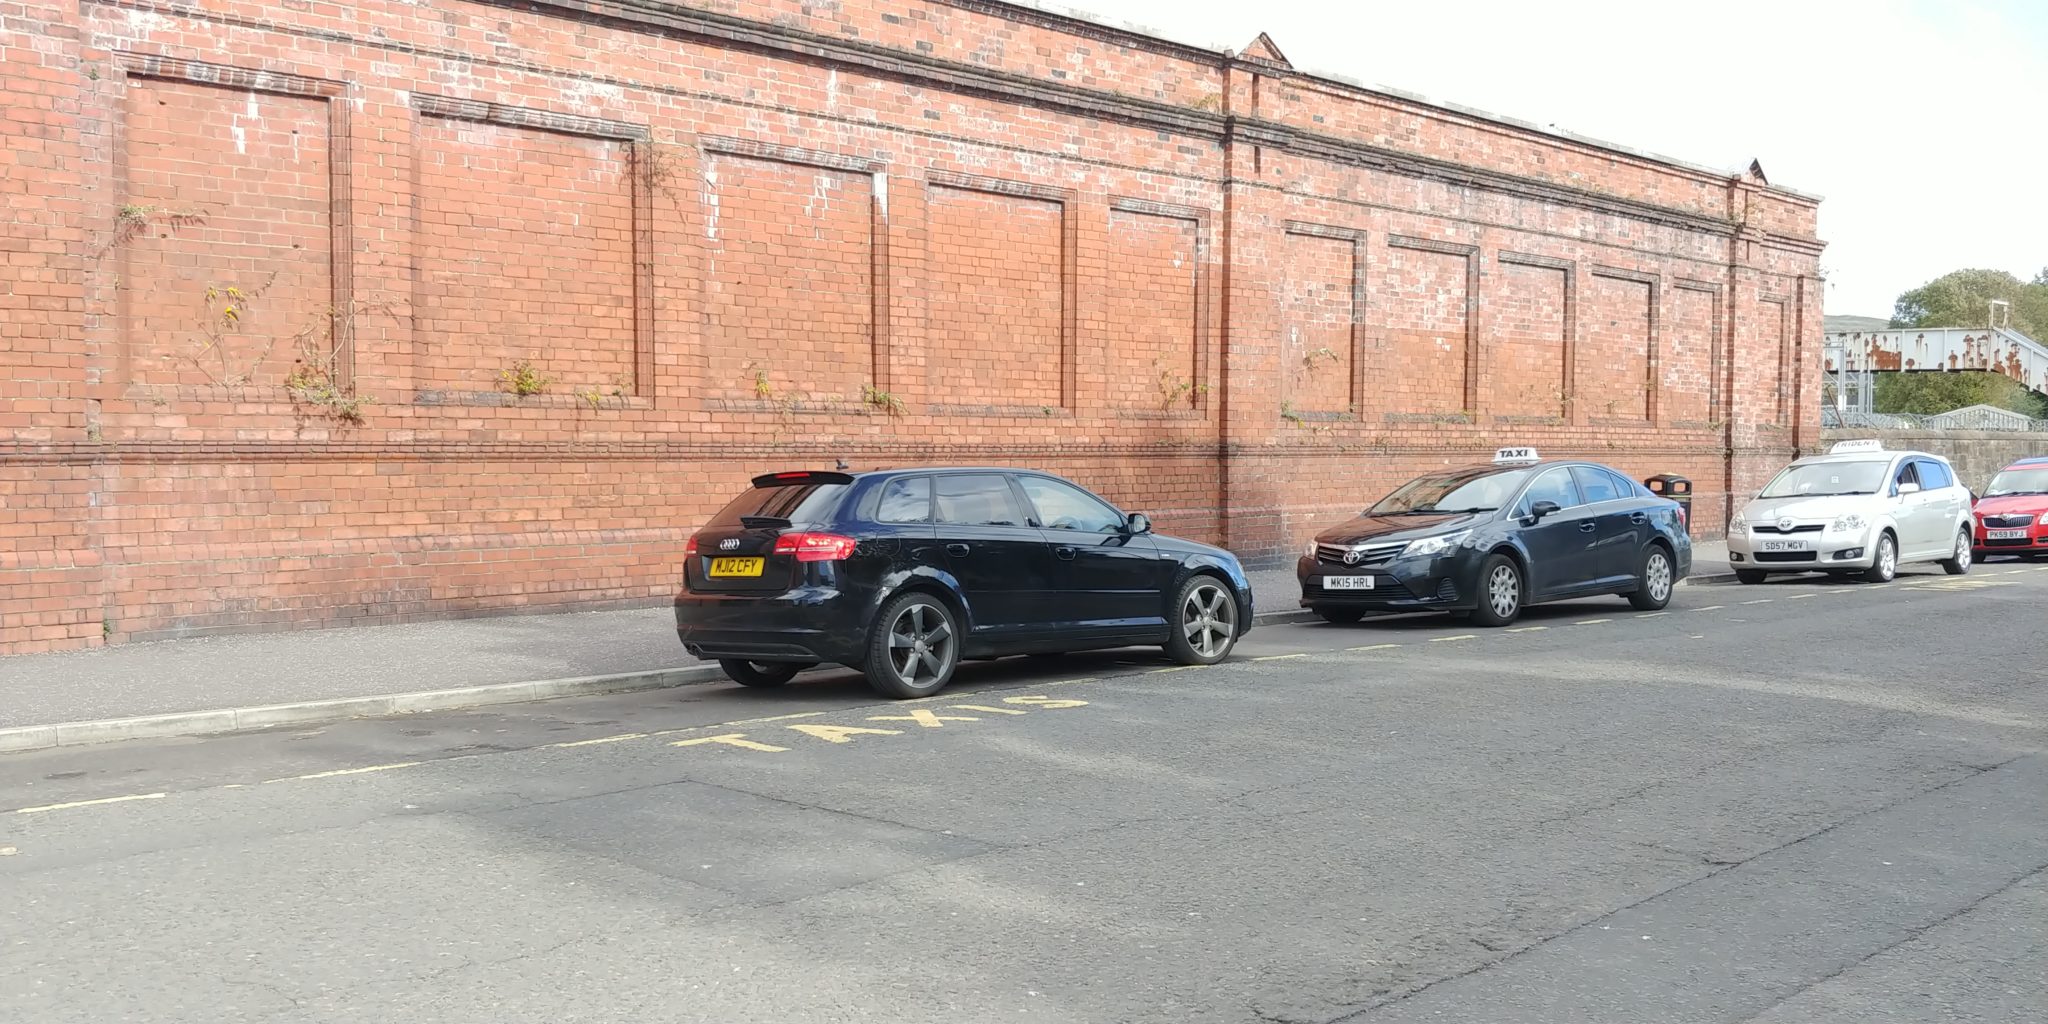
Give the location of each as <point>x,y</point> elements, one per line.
<point>1858,510</point>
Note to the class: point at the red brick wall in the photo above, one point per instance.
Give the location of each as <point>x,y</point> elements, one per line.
<point>1244,300</point>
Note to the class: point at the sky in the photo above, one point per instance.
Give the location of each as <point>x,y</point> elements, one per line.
<point>1923,125</point>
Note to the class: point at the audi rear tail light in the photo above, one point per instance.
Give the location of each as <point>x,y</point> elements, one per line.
<point>690,547</point>
<point>815,547</point>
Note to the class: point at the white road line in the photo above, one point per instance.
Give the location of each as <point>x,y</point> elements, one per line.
<point>347,771</point>
<point>1651,615</point>
<point>1528,629</point>
<point>1711,608</point>
<point>1460,636</point>
<point>1760,600</point>
<point>90,803</point>
<point>1801,597</point>
<point>603,739</point>
<point>1280,657</point>
<point>1374,647</point>
<point>1591,622</point>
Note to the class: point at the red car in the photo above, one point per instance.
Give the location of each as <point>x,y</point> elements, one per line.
<point>2012,516</point>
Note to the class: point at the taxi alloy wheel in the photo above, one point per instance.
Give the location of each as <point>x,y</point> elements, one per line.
<point>914,649</point>
<point>1204,622</point>
<point>1500,592</point>
<point>1885,566</point>
<point>1653,588</point>
<point>1959,563</point>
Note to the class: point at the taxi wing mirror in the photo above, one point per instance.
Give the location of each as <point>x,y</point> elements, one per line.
<point>1138,523</point>
<point>1905,489</point>
<point>1544,509</point>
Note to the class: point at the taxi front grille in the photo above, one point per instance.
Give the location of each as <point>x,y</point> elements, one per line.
<point>1333,554</point>
<point>1772,528</point>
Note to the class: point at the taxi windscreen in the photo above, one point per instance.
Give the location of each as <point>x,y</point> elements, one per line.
<point>1469,490</point>
<point>1827,479</point>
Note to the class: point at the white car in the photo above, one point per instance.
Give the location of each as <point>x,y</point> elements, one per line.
<point>1859,510</point>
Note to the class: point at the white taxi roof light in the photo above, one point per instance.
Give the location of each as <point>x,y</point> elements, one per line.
<point>1850,447</point>
<point>1516,457</point>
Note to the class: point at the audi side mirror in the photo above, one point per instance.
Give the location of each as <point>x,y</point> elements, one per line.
<point>1544,509</point>
<point>1138,523</point>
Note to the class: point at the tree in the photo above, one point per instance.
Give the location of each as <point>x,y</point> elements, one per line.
<point>1963,299</point>
<point>1930,391</point>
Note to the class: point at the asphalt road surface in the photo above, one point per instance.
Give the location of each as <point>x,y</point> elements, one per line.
<point>1804,801</point>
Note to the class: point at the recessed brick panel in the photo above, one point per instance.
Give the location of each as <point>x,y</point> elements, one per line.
<point>1422,303</point>
<point>1527,307</point>
<point>1318,308</point>
<point>1148,340</point>
<point>789,281</point>
<point>222,233</point>
<point>1614,359</point>
<point>524,244</point>
<point>1688,325</point>
<point>995,315</point>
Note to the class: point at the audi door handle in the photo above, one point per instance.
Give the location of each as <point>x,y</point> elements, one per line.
<point>1064,553</point>
<point>1588,527</point>
<point>957,550</point>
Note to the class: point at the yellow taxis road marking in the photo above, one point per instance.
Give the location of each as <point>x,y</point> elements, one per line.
<point>1280,657</point>
<point>844,734</point>
<point>1711,608</point>
<point>1374,647</point>
<point>1447,639</point>
<point>90,803</point>
<point>731,739</point>
<point>776,718</point>
<point>924,718</point>
<point>620,738</point>
<point>347,771</point>
<point>1528,629</point>
<point>1592,622</point>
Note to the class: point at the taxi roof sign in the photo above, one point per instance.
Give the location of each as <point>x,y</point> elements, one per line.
<point>1852,447</point>
<point>1516,457</point>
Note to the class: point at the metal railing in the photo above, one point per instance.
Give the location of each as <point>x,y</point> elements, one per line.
<point>1977,417</point>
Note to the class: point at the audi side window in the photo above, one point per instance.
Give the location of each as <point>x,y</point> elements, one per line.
<point>906,500</point>
<point>1064,507</point>
<point>1627,488</point>
<point>978,500</point>
<point>1595,484</point>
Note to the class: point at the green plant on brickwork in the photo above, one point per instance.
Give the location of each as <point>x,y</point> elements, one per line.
<point>1174,389</point>
<point>664,168</point>
<point>1288,413</point>
<point>763,390</point>
<point>876,398</point>
<point>592,397</point>
<point>1045,410</point>
<point>106,629</point>
<point>524,380</point>
<point>222,352</point>
<point>132,220</point>
<point>313,387</point>
<point>1213,101</point>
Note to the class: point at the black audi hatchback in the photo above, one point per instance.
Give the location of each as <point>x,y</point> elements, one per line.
<point>901,574</point>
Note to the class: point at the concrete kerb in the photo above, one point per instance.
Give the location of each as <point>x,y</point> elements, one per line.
<point>19,739</point>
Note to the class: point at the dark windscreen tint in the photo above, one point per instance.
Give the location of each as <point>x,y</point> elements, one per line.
<point>1470,490</point>
<point>798,503</point>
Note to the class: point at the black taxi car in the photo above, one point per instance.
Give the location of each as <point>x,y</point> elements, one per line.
<point>1486,541</point>
<point>902,574</point>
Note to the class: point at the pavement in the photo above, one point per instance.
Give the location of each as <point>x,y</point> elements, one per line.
<point>1806,801</point>
<point>229,683</point>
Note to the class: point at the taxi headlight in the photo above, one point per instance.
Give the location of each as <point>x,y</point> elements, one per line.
<point>1848,523</point>
<point>1310,551</point>
<point>1738,524</point>
<point>1428,546</point>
